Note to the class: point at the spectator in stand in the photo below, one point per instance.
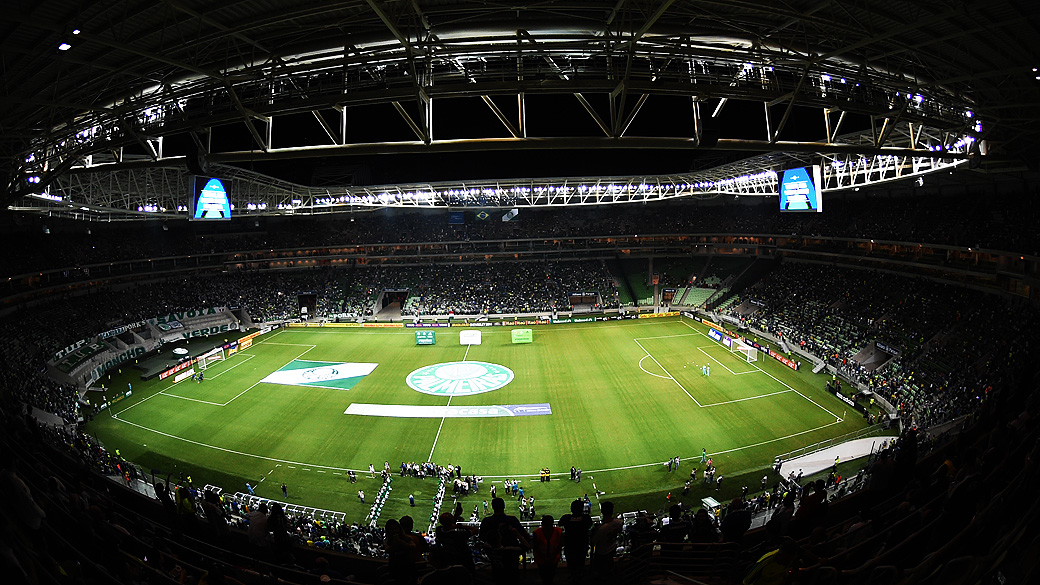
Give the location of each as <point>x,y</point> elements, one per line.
<point>677,527</point>
<point>576,526</point>
<point>604,544</point>
<point>505,539</point>
<point>547,545</point>
<point>702,528</point>
<point>737,521</point>
<point>401,552</point>
<point>453,540</point>
<point>259,536</point>
<point>278,526</point>
<point>774,567</point>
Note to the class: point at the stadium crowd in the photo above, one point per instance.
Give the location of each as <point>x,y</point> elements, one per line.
<point>518,287</point>
<point>917,513</point>
<point>943,338</point>
<point>1007,224</point>
<point>957,352</point>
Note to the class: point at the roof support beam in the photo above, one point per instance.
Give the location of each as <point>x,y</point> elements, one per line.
<point>390,25</point>
<point>632,115</point>
<point>325,126</point>
<point>419,131</point>
<point>790,106</point>
<point>595,117</point>
<point>650,22</point>
<point>606,142</point>
<point>248,116</point>
<point>501,116</point>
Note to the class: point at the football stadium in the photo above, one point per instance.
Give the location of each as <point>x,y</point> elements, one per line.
<point>672,292</point>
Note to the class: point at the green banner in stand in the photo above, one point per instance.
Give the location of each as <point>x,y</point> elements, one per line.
<point>425,337</point>
<point>522,335</point>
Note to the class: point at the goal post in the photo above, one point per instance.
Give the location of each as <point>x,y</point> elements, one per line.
<point>750,353</point>
<point>215,355</point>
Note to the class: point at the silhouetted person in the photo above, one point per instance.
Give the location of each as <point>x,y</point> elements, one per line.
<point>506,539</point>
<point>576,526</point>
<point>548,544</point>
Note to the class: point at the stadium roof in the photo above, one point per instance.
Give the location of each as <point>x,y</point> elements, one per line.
<point>111,86</point>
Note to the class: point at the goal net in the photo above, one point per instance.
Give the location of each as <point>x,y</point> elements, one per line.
<point>216,355</point>
<point>750,353</point>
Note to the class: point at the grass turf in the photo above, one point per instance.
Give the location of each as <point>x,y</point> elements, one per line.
<point>625,397</point>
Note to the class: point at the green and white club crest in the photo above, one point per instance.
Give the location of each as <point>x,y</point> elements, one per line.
<point>459,378</point>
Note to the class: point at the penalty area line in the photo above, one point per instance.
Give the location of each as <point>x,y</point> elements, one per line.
<point>670,376</point>
<point>781,382</point>
<point>748,398</point>
<point>716,360</point>
<point>310,347</point>
<point>191,399</point>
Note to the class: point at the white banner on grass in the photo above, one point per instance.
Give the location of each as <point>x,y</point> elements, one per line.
<point>416,411</point>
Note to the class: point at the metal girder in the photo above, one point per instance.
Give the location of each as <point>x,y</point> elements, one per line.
<point>592,112</point>
<point>790,106</point>
<point>501,116</point>
<point>325,126</point>
<point>632,115</point>
<point>215,24</point>
<point>152,192</point>
<point>419,131</point>
<point>248,116</point>
<point>101,133</point>
<point>423,51</point>
<point>390,25</point>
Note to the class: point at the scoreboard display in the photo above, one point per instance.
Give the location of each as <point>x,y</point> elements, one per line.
<point>210,200</point>
<point>800,189</point>
<point>425,337</point>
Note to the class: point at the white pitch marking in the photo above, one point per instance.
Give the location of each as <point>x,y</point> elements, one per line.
<point>647,371</point>
<point>511,475</point>
<point>663,369</point>
<point>714,359</point>
<point>836,417</point>
<point>436,438</point>
<point>240,362</point>
<point>258,381</point>
<point>748,398</point>
<point>191,399</point>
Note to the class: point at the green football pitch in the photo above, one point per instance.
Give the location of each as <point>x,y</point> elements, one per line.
<point>624,396</point>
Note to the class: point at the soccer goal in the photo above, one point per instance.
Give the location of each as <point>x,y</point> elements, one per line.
<point>215,355</point>
<point>750,353</point>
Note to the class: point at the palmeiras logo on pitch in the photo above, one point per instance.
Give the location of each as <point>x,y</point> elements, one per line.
<point>459,378</point>
<point>322,374</point>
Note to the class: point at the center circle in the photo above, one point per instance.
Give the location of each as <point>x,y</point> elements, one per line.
<point>459,378</point>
